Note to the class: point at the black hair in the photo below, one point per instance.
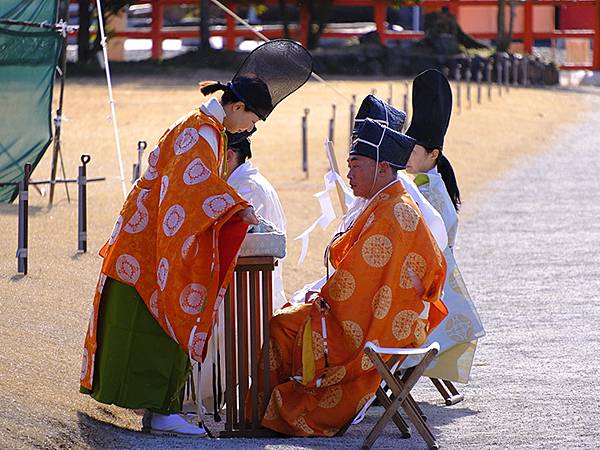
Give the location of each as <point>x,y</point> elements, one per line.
<point>210,87</point>
<point>242,150</point>
<point>447,172</point>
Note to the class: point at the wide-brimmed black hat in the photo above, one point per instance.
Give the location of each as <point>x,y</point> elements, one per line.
<point>270,73</point>
<point>432,108</point>
<point>381,143</point>
<point>379,111</point>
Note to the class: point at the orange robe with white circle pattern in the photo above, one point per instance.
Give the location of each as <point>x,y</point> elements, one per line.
<point>176,239</point>
<point>386,289</point>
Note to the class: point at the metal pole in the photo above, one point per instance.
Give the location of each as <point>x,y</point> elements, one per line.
<point>488,68</point>
<point>82,203</point>
<point>506,73</point>
<point>499,76</point>
<point>391,94</point>
<point>525,71</point>
<point>332,124</point>
<point>457,77</point>
<point>58,119</point>
<point>515,71</point>
<point>137,166</point>
<point>468,76</point>
<point>23,221</point>
<point>405,100</point>
<point>305,142</point>
<point>479,78</point>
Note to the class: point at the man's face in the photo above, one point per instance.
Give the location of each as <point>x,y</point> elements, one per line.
<point>361,171</point>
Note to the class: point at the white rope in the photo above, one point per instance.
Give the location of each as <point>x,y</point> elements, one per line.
<point>266,39</point>
<point>113,111</point>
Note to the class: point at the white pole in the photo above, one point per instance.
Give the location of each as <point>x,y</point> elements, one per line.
<point>113,111</point>
<point>266,39</point>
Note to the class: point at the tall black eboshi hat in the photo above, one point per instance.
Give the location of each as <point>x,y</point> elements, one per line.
<point>432,108</point>
<point>381,112</point>
<point>270,73</point>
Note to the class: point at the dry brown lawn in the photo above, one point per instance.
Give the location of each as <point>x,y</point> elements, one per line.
<point>43,316</point>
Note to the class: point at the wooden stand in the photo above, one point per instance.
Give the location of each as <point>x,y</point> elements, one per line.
<point>248,309</point>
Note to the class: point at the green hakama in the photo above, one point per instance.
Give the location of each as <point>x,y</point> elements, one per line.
<point>137,366</point>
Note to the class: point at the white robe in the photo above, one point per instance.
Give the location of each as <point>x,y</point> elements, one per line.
<point>457,334</point>
<point>256,189</point>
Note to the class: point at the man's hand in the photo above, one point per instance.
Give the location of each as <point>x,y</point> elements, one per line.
<point>248,216</point>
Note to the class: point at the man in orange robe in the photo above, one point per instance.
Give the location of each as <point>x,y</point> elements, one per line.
<point>389,273</point>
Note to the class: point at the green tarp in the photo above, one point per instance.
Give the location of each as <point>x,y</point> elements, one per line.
<point>28,57</point>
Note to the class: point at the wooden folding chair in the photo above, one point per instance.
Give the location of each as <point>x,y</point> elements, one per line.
<point>448,391</point>
<point>400,387</point>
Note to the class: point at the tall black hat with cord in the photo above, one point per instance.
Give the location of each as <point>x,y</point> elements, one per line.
<point>270,73</point>
<point>431,109</point>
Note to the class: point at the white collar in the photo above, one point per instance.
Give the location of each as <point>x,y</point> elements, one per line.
<point>214,108</point>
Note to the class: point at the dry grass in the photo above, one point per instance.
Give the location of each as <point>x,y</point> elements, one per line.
<point>43,316</point>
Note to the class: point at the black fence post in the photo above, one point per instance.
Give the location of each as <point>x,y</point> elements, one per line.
<point>479,78</point>
<point>332,124</point>
<point>488,69</point>
<point>137,166</point>
<point>457,77</point>
<point>22,244</point>
<point>305,142</point>
<point>82,205</point>
<point>352,114</point>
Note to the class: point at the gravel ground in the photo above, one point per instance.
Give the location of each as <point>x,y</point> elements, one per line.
<point>527,251</point>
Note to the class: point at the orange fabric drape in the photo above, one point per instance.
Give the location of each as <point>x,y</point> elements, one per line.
<point>168,239</point>
<point>386,289</point>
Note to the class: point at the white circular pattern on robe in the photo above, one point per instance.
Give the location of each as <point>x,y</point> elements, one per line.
<point>196,172</point>
<point>216,205</point>
<point>417,264</point>
<point>354,331</point>
<point>459,328</point>
<point>331,397</point>
<point>318,345</point>
<point>406,216</point>
<point>173,220</point>
<point>101,282</point>
<point>300,424</point>
<point>190,247</point>
<point>198,343</point>
<point>342,285</point>
<point>192,299</point>
<point>164,187</point>
<point>84,363</point>
<point>162,273</point>
<point>116,230</point>
<point>128,268</point>
<point>186,140</point>
<point>377,250</point>
<point>366,363</point>
<point>420,332</point>
<point>139,220</point>
<point>456,282</point>
<point>382,301</point>
<point>333,376</point>
<point>154,304</point>
<point>402,324</point>
<point>151,172</point>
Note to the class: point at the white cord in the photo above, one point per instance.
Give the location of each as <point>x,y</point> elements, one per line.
<point>113,111</point>
<point>266,39</point>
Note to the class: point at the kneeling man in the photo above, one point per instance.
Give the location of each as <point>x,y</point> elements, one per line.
<point>386,289</point>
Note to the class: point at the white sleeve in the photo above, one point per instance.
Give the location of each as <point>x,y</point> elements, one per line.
<point>210,135</point>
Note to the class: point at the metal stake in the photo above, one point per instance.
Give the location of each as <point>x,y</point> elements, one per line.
<point>82,203</point>
<point>305,142</point>
<point>22,244</point>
